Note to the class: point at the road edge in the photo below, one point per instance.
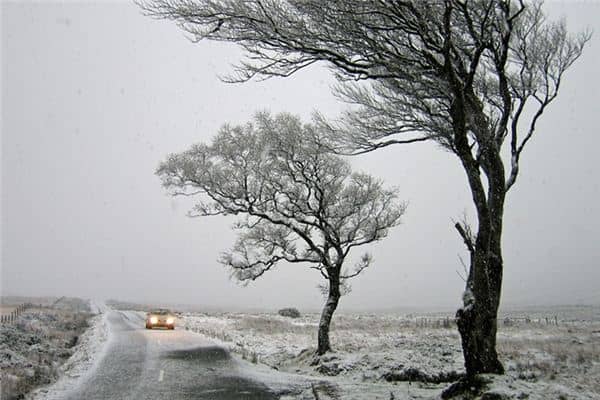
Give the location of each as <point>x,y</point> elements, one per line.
<point>88,352</point>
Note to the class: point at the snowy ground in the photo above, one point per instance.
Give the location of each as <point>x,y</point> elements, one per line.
<point>400,357</point>
<point>56,339</point>
<point>87,352</point>
<point>549,355</point>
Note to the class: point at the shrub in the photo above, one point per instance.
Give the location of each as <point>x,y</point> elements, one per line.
<point>289,312</point>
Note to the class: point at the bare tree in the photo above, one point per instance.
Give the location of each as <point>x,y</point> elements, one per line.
<point>300,204</point>
<point>474,76</point>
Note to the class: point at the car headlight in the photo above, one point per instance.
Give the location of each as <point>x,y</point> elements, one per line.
<point>153,320</point>
<point>170,321</point>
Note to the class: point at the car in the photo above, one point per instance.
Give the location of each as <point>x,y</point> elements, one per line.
<point>160,318</point>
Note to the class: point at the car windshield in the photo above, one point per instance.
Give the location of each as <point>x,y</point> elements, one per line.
<point>160,312</point>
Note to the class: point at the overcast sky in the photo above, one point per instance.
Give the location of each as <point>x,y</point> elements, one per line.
<point>95,95</point>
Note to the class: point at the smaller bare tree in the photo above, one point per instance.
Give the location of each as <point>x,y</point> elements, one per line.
<point>300,203</point>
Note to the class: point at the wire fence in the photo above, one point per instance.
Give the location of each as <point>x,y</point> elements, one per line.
<point>447,322</point>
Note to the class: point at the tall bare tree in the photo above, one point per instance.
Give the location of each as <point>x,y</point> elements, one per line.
<point>301,204</point>
<point>474,76</point>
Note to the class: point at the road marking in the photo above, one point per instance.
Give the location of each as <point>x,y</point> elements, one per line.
<point>161,375</point>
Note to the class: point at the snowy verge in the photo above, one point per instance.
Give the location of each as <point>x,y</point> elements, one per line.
<point>81,364</point>
<point>386,356</point>
<point>370,353</point>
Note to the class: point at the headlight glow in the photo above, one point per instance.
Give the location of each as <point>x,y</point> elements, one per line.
<point>170,321</point>
<point>153,320</point>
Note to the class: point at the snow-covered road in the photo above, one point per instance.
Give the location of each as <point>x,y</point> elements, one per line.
<point>163,364</point>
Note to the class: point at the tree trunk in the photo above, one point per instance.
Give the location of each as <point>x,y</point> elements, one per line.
<point>477,325</point>
<point>477,320</point>
<point>333,299</point>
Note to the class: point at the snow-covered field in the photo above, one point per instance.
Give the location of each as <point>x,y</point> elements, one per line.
<point>86,353</point>
<point>400,357</point>
<point>549,354</point>
<point>57,341</point>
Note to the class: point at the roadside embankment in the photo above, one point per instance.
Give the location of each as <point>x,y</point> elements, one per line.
<point>35,347</point>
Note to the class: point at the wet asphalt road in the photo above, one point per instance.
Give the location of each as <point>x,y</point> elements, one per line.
<point>164,364</point>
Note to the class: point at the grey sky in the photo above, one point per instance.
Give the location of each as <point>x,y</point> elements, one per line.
<point>94,95</point>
